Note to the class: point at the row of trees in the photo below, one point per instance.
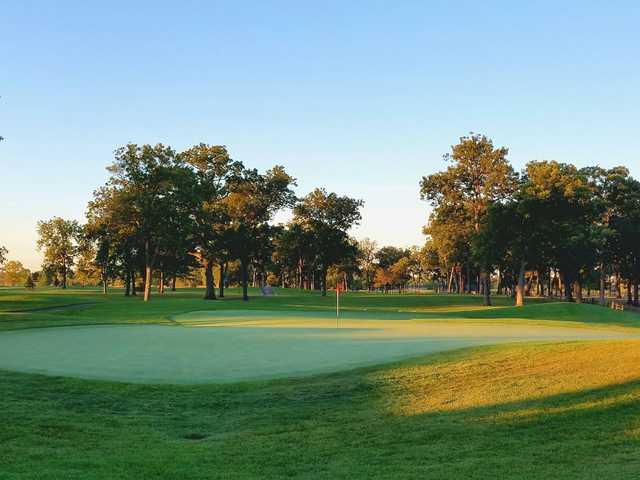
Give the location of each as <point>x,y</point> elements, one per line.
<point>162,213</point>
<point>553,225</point>
<point>551,229</point>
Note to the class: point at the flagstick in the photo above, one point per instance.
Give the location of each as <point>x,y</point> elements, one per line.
<point>337,305</point>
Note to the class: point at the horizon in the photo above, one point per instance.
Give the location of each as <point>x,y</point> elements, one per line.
<point>321,92</point>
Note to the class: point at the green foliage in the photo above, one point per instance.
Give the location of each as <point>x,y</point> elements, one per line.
<point>3,255</point>
<point>58,240</point>
<point>479,176</point>
<point>323,219</point>
<point>13,273</point>
<point>29,283</point>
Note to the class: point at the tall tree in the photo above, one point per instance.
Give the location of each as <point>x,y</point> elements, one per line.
<point>479,175</point>
<point>564,198</point>
<point>328,217</point>
<point>367,249</point>
<point>153,179</point>
<point>111,224</point>
<point>58,239</point>
<point>212,168</point>
<point>252,201</point>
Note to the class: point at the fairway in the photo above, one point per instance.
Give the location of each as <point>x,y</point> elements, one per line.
<point>227,346</point>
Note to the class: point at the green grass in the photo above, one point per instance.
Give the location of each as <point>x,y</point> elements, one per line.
<point>520,411</point>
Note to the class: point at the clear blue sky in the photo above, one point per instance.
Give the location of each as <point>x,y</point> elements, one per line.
<point>362,98</point>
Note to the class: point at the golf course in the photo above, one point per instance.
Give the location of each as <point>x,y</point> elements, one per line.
<point>412,386</point>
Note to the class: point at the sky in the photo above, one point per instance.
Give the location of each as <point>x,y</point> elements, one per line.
<point>362,98</point>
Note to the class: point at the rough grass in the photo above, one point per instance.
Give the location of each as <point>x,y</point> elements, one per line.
<point>519,411</point>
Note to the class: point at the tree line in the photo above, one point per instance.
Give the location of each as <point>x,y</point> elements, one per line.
<point>163,213</point>
<point>552,229</point>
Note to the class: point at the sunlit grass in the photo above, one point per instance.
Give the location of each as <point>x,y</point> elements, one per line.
<point>499,375</point>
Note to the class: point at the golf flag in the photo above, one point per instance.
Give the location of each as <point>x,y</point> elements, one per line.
<point>339,288</point>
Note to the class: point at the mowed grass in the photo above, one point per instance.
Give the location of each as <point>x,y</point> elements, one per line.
<point>525,411</point>
<point>20,308</point>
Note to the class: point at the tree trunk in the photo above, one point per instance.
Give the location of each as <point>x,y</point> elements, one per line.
<point>487,289</point>
<point>161,284</point>
<point>450,286</point>
<point>520,286</point>
<point>64,275</point>
<point>618,286</point>
<point>133,283</point>
<point>578,287</point>
<point>629,295</point>
<point>210,289</point>
<point>602,285</point>
<point>635,294</point>
<point>148,278</point>
<point>173,282</point>
<point>104,282</point>
<point>127,283</point>
<point>324,282</point>
<point>567,290</point>
<point>245,279</point>
<point>222,275</point>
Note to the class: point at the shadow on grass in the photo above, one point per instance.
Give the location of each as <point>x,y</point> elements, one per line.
<point>329,426</point>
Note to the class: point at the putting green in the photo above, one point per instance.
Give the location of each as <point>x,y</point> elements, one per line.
<point>242,345</point>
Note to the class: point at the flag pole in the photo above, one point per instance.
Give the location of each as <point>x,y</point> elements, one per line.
<point>337,304</point>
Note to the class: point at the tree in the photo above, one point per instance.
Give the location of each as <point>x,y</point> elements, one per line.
<point>112,225</point>
<point>29,283</point>
<point>450,235</point>
<point>625,223</point>
<point>611,189</point>
<point>87,269</point>
<point>155,184</point>
<point>567,213</point>
<point>14,273</point>
<point>430,263</point>
<point>478,176</point>
<point>401,272</point>
<point>328,217</point>
<point>509,239</point>
<point>389,255</point>
<point>58,240</point>
<point>3,255</point>
<point>250,204</point>
<point>366,259</point>
<point>212,168</point>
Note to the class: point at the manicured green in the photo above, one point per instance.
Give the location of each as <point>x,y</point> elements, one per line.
<point>526,410</point>
<point>233,345</point>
